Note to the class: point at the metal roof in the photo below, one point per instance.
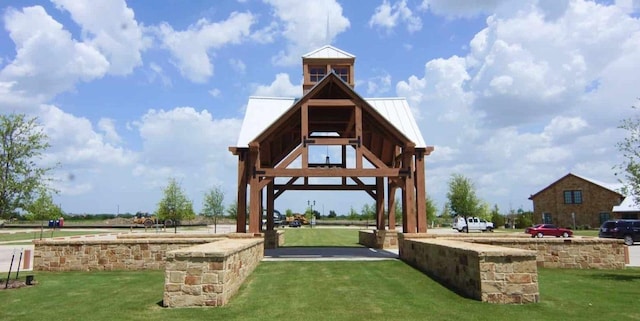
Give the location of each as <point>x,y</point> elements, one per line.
<point>628,205</point>
<point>328,52</point>
<point>262,112</point>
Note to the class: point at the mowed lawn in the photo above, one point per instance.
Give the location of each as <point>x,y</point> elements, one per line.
<point>383,290</point>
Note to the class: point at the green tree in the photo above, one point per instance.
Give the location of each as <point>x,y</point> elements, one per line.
<point>232,210</point>
<point>629,169</point>
<point>432,209</point>
<point>175,205</point>
<point>332,214</point>
<point>462,196</point>
<point>43,209</point>
<point>23,143</point>
<point>212,202</point>
<point>398,208</point>
<point>446,210</point>
<point>496,217</point>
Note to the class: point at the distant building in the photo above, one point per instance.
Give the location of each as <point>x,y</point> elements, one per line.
<point>575,200</point>
<point>628,209</point>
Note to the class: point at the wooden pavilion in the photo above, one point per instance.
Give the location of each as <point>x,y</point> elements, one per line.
<point>380,133</point>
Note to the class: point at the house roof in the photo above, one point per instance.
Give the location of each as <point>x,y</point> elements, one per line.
<point>627,205</point>
<point>262,112</point>
<point>328,52</point>
<point>610,187</point>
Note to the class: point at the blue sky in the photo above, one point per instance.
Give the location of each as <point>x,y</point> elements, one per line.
<point>512,94</point>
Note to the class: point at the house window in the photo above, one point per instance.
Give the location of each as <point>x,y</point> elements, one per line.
<point>316,73</point>
<point>604,216</point>
<point>342,72</point>
<point>546,218</point>
<point>573,197</point>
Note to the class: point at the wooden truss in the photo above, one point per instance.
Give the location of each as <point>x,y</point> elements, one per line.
<point>332,114</point>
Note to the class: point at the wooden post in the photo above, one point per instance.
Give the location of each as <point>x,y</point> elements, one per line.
<point>421,198</point>
<point>408,193</point>
<point>391,201</point>
<point>254,192</point>
<point>270,205</point>
<point>380,203</point>
<point>241,212</point>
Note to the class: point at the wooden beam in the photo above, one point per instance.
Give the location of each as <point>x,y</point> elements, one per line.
<point>360,183</point>
<point>373,158</point>
<point>289,183</point>
<point>324,187</point>
<point>330,102</point>
<point>304,133</point>
<point>332,172</point>
<point>358,116</point>
<point>290,158</point>
<point>332,141</point>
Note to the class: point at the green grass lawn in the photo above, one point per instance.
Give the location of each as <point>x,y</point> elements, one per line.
<point>384,290</point>
<point>20,236</point>
<point>321,237</point>
<point>381,290</point>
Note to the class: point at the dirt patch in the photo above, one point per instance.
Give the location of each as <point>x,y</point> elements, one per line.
<point>14,284</point>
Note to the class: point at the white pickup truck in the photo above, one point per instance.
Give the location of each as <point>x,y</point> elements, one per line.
<point>472,224</point>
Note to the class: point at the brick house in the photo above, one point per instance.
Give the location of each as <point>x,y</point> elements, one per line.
<point>575,197</point>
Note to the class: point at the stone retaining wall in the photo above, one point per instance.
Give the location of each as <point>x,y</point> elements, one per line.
<point>378,239</point>
<point>106,255</point>
<point>138,236</point>
<point>273,239</point>
<point>571,253</point>
<point>488,273</point>
<point>578,253</point>
<point>210,274</point>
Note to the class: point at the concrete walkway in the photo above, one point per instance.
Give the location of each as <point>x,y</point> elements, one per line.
<point>328,254</point>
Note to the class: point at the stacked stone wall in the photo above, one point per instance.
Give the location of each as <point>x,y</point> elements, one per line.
<point>273,239</point>
<point>378,239</point>
<point>571,253</point>
<point>210,274</point>
<point>106,255</point>
<point>488,273</point>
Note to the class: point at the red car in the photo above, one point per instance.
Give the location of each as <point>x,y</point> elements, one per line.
<point>540,230</point>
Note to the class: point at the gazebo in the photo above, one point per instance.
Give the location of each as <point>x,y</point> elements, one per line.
<point>379,137</point>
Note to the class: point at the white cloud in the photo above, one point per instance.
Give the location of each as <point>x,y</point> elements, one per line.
<point>110,27</point>
<point>237,65</point>
<point>379,85</point>
<point>48,61</point>
<point>108,126</point>
<point>158,73</point>
<point>539,94</point>
<point>215,92</point>
<point>388,16</point>
<point>75,142</point>
<point>191,48</point>
<point>280,87</point>
<point>304,26</point>
<point>189,145</point>
<point>461,8</point>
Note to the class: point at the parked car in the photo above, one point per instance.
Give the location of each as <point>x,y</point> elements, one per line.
<point>540,230</point>
<point>628,230</point>
<point>474,224</point>
<point>295,223</point>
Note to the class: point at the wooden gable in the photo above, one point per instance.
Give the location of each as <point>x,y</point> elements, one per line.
<point>331,108</point>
